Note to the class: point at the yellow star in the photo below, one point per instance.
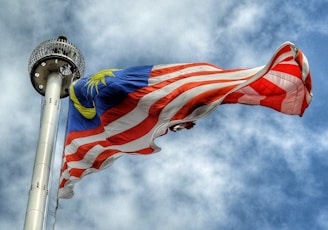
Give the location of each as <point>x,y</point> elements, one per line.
<point>98,77</point>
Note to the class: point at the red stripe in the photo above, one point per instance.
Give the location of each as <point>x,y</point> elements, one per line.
<point>133,98</point>
<point>286,68</point>
<point>150,121</point>
<point>76,172</point>
<point>282,51</point>
<point>134,133</point>
<point>98,163</point>
<point>63,182</point>
<point>132,101</point>
<point>274,94</point>
<point>175,68</point>
<point>201,99</point>
<point>142,128</point>
<point>64,167</point>
<point>274,97</point>
<point>80,134</point>
<point>103,156</point>
<point>307,83</point>
<point>83,149</point>
<point>287,48</point>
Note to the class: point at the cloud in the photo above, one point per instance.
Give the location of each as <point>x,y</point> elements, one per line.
<point>322,219</point>
<point>253,177</point>
<point>241,167</point>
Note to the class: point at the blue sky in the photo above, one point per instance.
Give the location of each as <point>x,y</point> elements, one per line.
<point>242,167</point>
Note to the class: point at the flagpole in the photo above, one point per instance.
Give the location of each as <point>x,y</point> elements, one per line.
<point>53,65</point>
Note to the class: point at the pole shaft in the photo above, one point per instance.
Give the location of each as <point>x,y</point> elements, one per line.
<point>37,203</point>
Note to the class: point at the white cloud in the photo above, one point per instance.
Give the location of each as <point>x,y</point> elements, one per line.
<point>240,167</point>
<point>323,219</point>
<point>199,183</point>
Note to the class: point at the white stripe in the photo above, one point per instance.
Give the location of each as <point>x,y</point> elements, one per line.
<point>90,158</point>
<point>139,113</point>
<point>250,96</point>
<point>282,57</point>
<point>121,125</point>
<point>293,87</point>
<point>159,94</point>
<point>145,103</point>
<point>188,70</point>
<point>205,66</point>
<point>165,116</point>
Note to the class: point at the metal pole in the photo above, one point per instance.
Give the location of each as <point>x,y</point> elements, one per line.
<point>53,65</point>
<point>36,208</point>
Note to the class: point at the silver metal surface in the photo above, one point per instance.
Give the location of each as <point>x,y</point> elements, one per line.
<point>37,203</point>
<point>53,65</point>
<point>56,55</point>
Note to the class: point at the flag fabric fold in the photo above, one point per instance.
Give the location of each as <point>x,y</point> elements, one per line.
<point>116,112</point>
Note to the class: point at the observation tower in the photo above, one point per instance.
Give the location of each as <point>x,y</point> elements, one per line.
<point>53,65</point>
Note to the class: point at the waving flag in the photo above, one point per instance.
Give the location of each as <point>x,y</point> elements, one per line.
<point>117,112</point>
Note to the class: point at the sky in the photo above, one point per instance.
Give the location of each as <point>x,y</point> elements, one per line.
<point>242,167</point>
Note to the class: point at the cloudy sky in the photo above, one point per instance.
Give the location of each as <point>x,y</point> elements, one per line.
<point>242,167</point>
